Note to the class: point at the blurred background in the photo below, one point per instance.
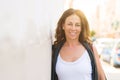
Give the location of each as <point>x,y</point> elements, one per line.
<point>27,31</point>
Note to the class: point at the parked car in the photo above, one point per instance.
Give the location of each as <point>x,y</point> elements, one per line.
<point>111,53</point>
<point>100,43</point>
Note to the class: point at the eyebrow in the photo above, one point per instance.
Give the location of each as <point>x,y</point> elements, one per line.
<point>76,22</point>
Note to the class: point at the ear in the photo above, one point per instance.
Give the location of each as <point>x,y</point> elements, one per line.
<point>63,27</point>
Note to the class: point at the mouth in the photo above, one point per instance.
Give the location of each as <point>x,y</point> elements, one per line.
<point>72,33</point>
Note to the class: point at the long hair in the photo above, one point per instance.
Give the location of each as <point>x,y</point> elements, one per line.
<point>85,31</point>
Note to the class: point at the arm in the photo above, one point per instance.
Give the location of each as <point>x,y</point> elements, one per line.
<point>101,75</point>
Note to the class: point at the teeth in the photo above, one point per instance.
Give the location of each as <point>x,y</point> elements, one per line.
<point>72,33</point>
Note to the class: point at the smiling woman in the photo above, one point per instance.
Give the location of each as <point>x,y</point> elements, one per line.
<point>73,56</point>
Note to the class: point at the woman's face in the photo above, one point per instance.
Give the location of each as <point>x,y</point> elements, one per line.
<point>72,27</point>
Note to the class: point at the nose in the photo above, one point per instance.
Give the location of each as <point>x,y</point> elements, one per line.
<point>73,27</point>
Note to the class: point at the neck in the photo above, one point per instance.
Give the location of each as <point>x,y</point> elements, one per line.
<point>72,43</point>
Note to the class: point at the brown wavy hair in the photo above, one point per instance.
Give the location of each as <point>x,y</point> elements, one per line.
<point>85,31</point>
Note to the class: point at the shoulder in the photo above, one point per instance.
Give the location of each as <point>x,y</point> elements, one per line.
<point>56,47</point>
<point>95,52</point>
<point>94,49</point>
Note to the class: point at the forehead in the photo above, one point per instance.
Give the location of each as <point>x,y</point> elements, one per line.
<point>73,18</point>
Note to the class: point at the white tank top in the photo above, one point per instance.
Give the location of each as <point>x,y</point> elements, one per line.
<point>80,69</point>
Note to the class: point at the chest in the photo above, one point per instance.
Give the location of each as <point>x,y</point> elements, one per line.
<point>72,54</point>
<point>81,66</point>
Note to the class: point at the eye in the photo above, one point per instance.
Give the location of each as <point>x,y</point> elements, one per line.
<point>69,24</point>
<point>78,25</point>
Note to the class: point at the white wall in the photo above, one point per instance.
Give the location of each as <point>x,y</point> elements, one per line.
<point>25,38</point>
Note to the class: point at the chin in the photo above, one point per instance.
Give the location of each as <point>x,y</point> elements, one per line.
<point>73,38</point>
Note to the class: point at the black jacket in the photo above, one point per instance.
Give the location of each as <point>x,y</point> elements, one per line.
<point>55,52</point>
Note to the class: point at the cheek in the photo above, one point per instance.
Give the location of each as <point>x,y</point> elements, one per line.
<point>79,30</point>
<point>66,29</point>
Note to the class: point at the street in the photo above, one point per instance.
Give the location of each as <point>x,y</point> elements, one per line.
<point>112,73</point>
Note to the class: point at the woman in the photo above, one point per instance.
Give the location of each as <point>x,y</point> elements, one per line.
<point>71,58</point>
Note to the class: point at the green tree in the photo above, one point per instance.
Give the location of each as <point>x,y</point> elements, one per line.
<point>92,33</point>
